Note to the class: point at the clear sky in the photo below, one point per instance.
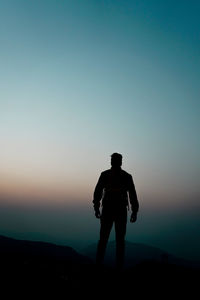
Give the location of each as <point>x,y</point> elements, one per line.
<point>80,80</point>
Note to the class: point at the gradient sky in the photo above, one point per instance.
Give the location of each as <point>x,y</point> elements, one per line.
<point>80,80</point>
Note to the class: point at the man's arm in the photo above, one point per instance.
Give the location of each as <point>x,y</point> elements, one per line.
<point>98,192</point>
<point>133,200</point>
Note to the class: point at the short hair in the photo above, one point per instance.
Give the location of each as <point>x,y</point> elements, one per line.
<point>116,156</point>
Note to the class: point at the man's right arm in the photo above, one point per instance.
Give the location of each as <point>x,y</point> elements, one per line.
<point>98,192</point>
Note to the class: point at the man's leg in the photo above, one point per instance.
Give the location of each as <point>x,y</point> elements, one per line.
<point>106,226</point>
<point>120,231</point>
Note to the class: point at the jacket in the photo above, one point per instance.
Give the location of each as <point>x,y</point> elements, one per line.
<point>115,188</point>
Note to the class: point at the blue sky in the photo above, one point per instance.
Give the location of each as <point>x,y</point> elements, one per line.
<point>80,80</point>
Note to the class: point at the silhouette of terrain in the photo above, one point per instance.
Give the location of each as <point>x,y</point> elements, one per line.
<point>39,266</point>
<point>137,253</point>
<point>39,269</point>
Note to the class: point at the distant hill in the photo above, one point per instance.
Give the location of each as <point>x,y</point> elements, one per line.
<point>38,269</point>
<point>137,253</point>
<point>29,267</point>
<point>24,249</point>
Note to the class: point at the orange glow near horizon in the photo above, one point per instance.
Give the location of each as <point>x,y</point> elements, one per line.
<point>21,190</point>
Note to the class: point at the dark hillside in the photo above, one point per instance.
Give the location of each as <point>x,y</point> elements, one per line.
<point>44,270</point>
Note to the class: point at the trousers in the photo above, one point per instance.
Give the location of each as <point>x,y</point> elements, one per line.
<point>118,217</point>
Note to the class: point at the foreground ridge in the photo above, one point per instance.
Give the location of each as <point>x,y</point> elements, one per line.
<point>38,267</point>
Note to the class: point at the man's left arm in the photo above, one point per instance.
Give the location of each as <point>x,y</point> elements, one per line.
<point>133,199</point>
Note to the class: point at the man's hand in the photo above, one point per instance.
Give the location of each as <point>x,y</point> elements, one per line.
<point>133,218</point>
<point>97,214</point>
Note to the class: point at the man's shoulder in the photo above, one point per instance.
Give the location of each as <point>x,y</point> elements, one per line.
<point>106,172</point>
<point>126,174</point>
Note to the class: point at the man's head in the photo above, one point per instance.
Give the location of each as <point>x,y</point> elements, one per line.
<point>116,160</point>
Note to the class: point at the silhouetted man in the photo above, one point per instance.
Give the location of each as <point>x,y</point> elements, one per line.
<point>114,190</point>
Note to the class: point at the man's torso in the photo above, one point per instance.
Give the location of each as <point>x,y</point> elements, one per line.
<point>115,184</point>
